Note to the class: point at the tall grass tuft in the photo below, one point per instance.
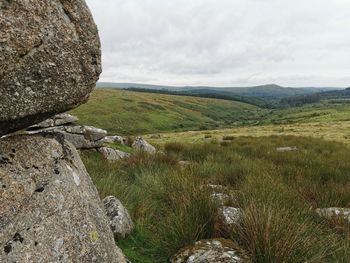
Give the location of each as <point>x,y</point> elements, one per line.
<point>278,192</point>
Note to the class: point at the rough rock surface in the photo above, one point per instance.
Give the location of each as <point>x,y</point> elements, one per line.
<point>113,139</point>
<point>50,210</point>
<point>143,145</point>
<point>112,154</point>
<point>49,59</point>
<point>57,120</point>
<point>120,220</point>
<point>82,137</point>
<point>210,251</point>
<point>229,217</point>
<point>330,212</point>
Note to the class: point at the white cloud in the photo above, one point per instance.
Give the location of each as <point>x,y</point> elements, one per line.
<point>225,42</point>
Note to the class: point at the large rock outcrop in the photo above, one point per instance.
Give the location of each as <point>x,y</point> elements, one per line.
<point>82,137</point>
<point>50,210</point>
<point>49,59</point>
<point>57,120</point>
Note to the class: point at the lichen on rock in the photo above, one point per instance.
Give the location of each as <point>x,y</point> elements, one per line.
<point>50,210</point>
<point>50,59</point>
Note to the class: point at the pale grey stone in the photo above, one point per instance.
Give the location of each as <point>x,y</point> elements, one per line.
<point>229,217</point>
<point>337,212</point>
<point>119,218</point>
<point>50,210</point>
<point>50,59</point>
<point>114,139</point>
<point>143,145</point>
<point>82,137</point>
<point>57,120</point>
<point>112,155</point>
<point>210,251</point>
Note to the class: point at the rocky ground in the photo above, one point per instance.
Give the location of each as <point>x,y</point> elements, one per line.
<point>50,210</point>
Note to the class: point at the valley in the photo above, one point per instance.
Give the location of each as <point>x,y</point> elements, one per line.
<point>278,167</point>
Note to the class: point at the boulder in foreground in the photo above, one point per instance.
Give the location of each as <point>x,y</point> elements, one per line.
<point>50,59</point>
<point>50,210</point>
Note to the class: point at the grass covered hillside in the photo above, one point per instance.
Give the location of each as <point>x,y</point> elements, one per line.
<point>133,113</point>
<point>128,113</point>
<point>167,193</point>
<point>278,193</point>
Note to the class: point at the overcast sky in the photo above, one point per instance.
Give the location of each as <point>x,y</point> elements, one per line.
<point>225,42</point>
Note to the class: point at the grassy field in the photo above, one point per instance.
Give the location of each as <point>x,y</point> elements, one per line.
<point>338,131</point>
<point>278,193</point>
<point>132,113</point>
<point>323,112</point>
<point>129,113</point>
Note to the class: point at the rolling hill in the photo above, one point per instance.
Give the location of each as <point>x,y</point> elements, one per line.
<point>126,112</point>
<point>266,92</point>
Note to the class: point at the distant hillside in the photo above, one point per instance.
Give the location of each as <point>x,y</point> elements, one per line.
<point>114,85</point>
<point>125,112</point>
<point>207,93</point>
<point>265,92</point>
<point>336,94</point>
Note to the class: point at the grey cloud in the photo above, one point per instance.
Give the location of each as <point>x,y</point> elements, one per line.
<point>225,42</point>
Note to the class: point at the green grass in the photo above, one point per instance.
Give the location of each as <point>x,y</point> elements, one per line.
<point>121,147</point>
<point>320,112</point>
<point>130,113</point>
<point>278,193</point>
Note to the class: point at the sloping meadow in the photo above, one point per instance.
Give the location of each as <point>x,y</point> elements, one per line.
<point>278,192</point>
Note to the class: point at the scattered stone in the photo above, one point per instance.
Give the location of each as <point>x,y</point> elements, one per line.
<point>50,210</point>
<point>143,145</point>
<point>219,194</point>
<point>57,120</point>
<point>286,149</point>
<point>50,59</point>
<point>114,139</point>
<point>210,251</point>
<point>229,217</point>
<point>112,155</point>
<point>332,212</point>
<point>120,220</point>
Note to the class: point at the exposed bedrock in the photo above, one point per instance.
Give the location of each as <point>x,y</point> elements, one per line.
<point>50,210</point>
<point>50,59</point>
